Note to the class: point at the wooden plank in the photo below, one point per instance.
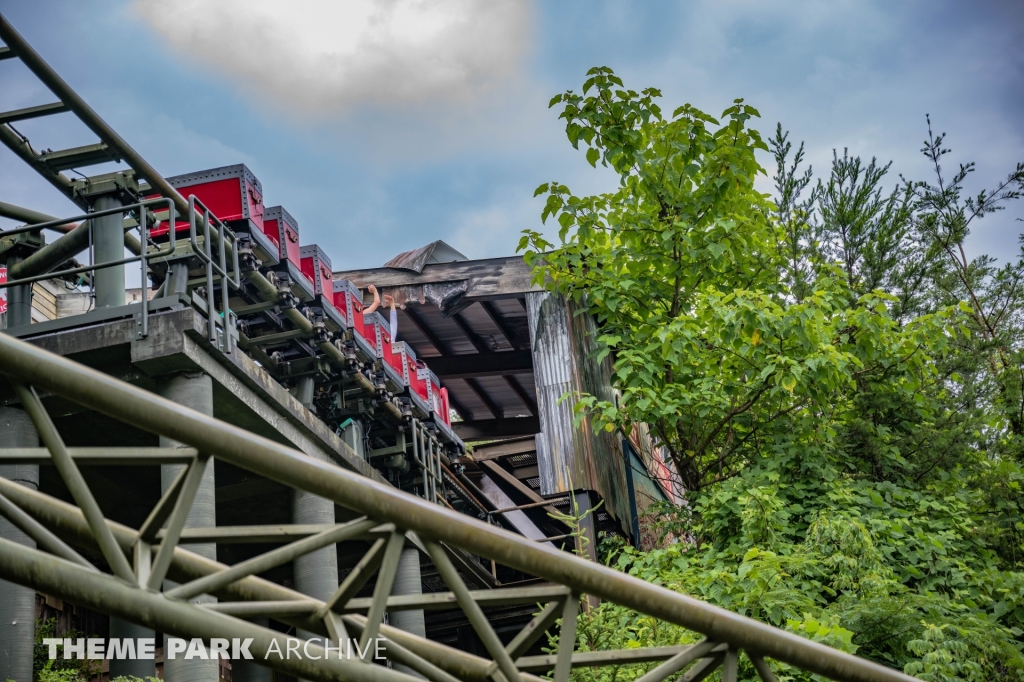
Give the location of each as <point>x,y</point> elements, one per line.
<point>44,301</point>
<point>519,446</point>
<point>499,475</point>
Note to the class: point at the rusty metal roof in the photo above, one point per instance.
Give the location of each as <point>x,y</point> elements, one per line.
<point>467,320</point>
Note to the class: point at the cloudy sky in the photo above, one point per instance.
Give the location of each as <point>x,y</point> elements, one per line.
<point>384,124</point>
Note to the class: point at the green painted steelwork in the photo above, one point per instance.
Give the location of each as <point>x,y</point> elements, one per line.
<point>438,527</point>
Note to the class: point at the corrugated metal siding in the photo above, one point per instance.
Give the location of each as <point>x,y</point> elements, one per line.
<point>569,456</point>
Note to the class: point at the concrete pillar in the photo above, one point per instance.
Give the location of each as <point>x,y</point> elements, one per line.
<point>195,390</point>
<point>316,573</point>
<point>108,245</point>
<point>17,603</point>
<point>251,671</point>
<point>142,669</point>
<point>408,580</point>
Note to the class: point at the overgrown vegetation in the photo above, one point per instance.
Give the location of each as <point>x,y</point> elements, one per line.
<point>45,669</point>
<point>838,385</point>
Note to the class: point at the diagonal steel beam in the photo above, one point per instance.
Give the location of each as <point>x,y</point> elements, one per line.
<point>336,629</point>
<point>730,666</point>
<point>189,487</point>
<point>473,612</point>
<point>40,533</point>
<point>703,669</point>
<point>678,662</point>
<point>762,668</point>
<point>533,630</point>
<point>356,578</point>
<point>399,654</point>
<point>68,521</point>
<point>162,511</point>
<point>567,639</point>
<point>76,484</point>
<point>382,590</point>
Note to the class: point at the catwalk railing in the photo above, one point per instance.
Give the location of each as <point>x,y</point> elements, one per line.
<point>140,559</point>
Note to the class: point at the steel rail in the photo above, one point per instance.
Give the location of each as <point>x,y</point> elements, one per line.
<point>120,456</point>
<point>107,395</point>
<point>29,217</point>
<point>74,241</point>
<point>23,150</point>
<point>88,116</point>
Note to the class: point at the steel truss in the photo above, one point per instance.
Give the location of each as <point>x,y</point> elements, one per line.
<point>140,559</point>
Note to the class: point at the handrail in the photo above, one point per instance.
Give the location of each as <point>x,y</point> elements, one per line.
<point>204,254</point>
<point>142,207</point>
<point>74,240</point>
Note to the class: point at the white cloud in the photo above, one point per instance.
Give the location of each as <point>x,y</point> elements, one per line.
<point>315,58</point>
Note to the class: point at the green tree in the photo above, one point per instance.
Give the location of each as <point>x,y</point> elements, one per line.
<point>834,381</point>
<point>681,267</point>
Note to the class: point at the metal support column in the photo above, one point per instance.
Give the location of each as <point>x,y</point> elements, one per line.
<point>108,245</point>
<point>303,392</point>
<point>353,436</point>
<point>316,573</point>
<point>194,390</point>
<point>177,278</point>
<point>19,300</point>
<point>17,603</point>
